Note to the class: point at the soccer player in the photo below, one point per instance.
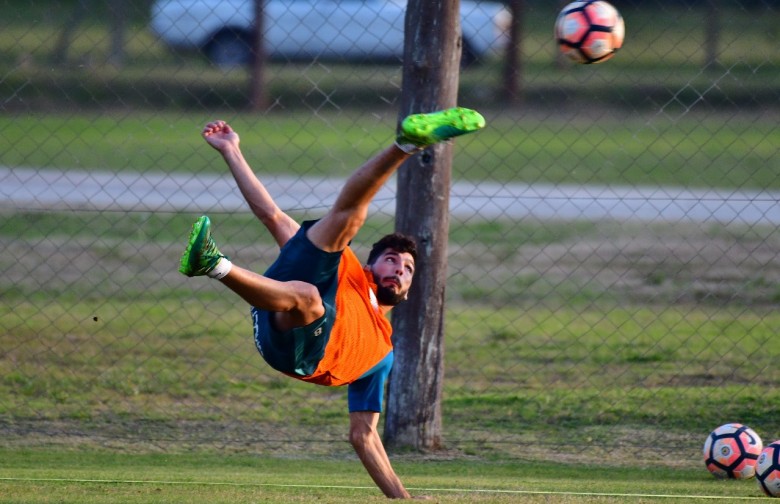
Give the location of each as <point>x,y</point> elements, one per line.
<point>297,327</point>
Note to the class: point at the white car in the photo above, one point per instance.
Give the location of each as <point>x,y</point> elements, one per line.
<point>350,30</point>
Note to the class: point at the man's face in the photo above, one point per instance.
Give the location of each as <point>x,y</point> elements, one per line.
<point>393,272</point>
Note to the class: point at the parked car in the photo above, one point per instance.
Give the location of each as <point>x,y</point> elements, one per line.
<point>351,30</point>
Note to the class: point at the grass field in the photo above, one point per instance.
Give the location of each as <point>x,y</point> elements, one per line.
<point>85,477</point>
<point>569,354</point>
<point>631,374</point>
<point>621,149</point>
<point>585,361</point>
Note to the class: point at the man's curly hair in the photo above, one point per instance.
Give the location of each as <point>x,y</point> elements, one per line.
<point>397,242</point>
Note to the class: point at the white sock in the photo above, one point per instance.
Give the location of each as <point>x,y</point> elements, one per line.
<point>222,268</point>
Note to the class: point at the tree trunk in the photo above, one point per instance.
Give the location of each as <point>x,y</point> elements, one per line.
<point>432,51</point>
<point>711,34</point>
<point>513,65</point>
<point>62,46</point>
<point>257,92</point>
<point>117,14</point>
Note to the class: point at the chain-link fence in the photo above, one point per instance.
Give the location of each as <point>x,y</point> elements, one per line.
<point>614,251</point>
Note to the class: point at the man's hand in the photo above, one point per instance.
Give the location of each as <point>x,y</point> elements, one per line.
<point>220,135</point>
<point>368,446</point>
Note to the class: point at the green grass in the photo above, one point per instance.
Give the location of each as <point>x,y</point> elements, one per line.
<point>556,375</point>
<point>582,342</point>
<point>650,116</point>
<point>41,475</point>
<point>166,356</point>
<point>133,348</point>
<point>713,150</point>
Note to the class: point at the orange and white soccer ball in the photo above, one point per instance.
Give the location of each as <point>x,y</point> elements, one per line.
<point>731,451</point>
<point>768,469</point>
<point>590,31</point>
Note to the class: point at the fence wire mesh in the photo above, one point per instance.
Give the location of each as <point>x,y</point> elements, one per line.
<point>614,256</point>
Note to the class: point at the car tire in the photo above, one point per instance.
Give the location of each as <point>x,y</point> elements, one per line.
<point>229,49</point>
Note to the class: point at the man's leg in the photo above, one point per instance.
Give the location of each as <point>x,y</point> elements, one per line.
<point>298,303</point>
<point>335,230</point>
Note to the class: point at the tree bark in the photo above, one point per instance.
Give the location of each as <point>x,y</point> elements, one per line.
<point>432,51</point>
<point>117,14</point>
<point>711,34</point>
<point>62,46</point>
<point>513,65</point>
<point>258,98</point>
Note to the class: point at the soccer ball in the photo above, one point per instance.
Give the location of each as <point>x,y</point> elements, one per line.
<point>731,451</point>
<point>590,31</point>
<point>768,470</point>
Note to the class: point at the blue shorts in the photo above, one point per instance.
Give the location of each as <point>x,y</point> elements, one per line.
<point>299,350</point>
<point>367,393</point>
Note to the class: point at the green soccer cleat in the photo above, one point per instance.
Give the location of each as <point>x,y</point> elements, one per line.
<point>421,130</point>
<point>202,254</point>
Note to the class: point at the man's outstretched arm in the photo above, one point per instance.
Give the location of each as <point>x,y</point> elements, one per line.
<point>221,137</point>
<point>368,445</point>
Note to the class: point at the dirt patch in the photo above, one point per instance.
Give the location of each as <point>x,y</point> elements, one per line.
<point>667,264</point>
